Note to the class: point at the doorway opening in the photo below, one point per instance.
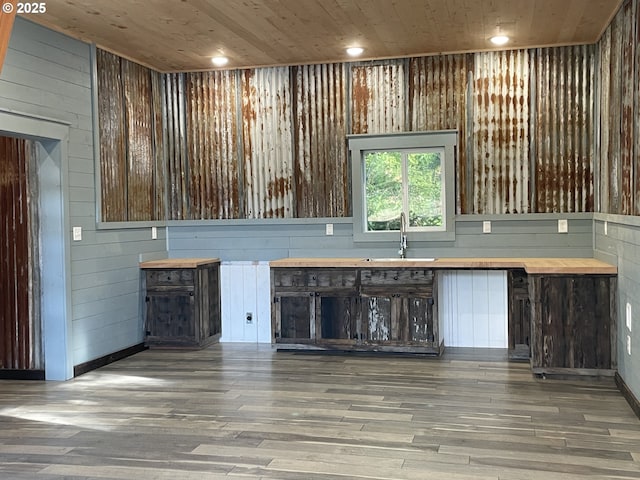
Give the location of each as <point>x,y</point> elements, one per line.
<point>48,259</point>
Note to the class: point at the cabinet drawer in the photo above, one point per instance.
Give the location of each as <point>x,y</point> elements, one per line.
<point>179,278</point>
<point>289,277</point>
<point>333,277</point>
<point>408,277</point>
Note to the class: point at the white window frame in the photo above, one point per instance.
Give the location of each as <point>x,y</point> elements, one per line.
<point>444,140</point>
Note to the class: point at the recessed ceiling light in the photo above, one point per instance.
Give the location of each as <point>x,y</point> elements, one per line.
<point>499,39</point>
<point>354,51</point>
<point>220,61</point>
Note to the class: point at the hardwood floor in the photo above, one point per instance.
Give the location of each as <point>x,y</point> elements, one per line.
<point>237,412</point>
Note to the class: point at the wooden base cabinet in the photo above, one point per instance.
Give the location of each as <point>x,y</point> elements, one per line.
<point>519,328</point>
<point>182,298</point>
<point>355,309</point>
<point>573,324</point>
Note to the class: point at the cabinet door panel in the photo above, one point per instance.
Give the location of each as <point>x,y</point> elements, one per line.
<point>170,315</point>
<point>420,319</point>
<point>337,317</point>
<point>376,313</point>
<point>296,314</point>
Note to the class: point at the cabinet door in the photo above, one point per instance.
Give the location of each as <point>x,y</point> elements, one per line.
<point>519,315</point>
<point>295,317</point>
<point>336,317</point>
<point>398,318</point>
<point>170,317</point>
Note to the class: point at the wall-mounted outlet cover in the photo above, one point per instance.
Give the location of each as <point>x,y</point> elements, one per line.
<point>329,229</point>
<point>606,228</point>
<point>486,226</point>
<point>154,233</point>
<point>563,225</point>
<point>628,344</point>
<point>628,316</point>
<point>77,234</point>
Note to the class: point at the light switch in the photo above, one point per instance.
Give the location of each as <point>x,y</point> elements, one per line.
<point>486,226</point>
<point>329,229</point>
<point>77,234</point>
<point>606,228</point>
<point>563,226</point>
<point>154,233</point>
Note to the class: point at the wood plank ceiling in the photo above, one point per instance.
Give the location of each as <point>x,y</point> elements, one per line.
<point>170,35</point>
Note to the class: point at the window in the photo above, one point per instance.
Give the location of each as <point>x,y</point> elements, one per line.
<point>410,174</point>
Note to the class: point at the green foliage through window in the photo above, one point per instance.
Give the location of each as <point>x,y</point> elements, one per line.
<point>404,181</point>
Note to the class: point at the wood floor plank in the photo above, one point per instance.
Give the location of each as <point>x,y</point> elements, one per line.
<point>247,411</point>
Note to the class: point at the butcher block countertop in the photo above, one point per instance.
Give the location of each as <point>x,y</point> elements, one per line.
<point>586,266</point>
<point>179,262</point>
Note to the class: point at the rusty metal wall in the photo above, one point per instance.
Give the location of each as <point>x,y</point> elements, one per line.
<point>563,131</point>
<point>320,129</point>
<point>175,146</point>
<point>379,97</point>
<point>111,122</point>
<point>619,62</point>
<point>437,101</point>
<point>131,147</point>
<point>501,133</point>
<point>19,343</point>
<point>267,143</point>
<point>212,139</point>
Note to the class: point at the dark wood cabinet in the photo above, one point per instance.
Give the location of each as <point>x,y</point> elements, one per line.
<point>573,323</point>
<point>182,299</point>
<point>355,309</point>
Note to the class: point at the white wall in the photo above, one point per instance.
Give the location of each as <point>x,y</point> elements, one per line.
<point>473,308</point>
<point>245,288</point>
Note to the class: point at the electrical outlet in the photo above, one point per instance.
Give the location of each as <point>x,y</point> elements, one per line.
<point>329,229</point>
<point>154,233</point>
<point>628,344</point>
<point>628,316</point>
<point>563,225</point>
<point>77,234</point>
<point>249,318</point>
<point>486,226</point>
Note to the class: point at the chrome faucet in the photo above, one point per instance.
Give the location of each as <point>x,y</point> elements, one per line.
<point>403,236</point>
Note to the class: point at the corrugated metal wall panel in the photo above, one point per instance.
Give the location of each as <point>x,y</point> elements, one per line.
<point>437,101</point>
<point>320,119</point>
<point>212,138</point>
<point>138,101</point>
<point>378,98</point>
<point>268,146</point>
<point>620,113</point>
<point>19,325</point>
<point>501,132</point>
<point>636,107</point>
<point>112,130</point>
<point>604,76</point>
<point>564,129</point>
<point>159,154</point>
<point>131,143</point>
<point>175,146</point>
<point>629,161</point>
